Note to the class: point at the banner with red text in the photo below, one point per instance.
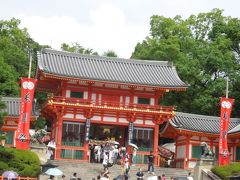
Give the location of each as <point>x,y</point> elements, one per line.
<point>226,108</point>
<point>27,92</point>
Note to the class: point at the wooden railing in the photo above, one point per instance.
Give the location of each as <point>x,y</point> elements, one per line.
<point>20,178</point>
<point>86,102</point>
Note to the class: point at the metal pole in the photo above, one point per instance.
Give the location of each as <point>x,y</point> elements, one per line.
<point>30,65</point>
<point>227,88</point>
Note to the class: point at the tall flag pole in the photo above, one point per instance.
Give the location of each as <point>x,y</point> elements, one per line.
<point>226,108</point>
<point>27,92</point>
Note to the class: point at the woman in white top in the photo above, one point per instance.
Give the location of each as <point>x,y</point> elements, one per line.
<point>105,160</point>
<point>49,153</point>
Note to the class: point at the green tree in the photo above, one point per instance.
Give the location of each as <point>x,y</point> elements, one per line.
<point>110,53</point>
<point>2,113</point>
<point>204,49</point>
<point>8,80</point>
<point>77,48</point>
<point>15,45</point>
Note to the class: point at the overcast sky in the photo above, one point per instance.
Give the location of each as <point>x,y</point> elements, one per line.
<point>102,24</point>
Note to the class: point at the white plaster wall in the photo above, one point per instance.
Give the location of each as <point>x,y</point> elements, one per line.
<point>138,121</point>
<point>195,138</point>
<point>94,97</point>
<point>181,137</point>
<point>190,151</point>
<point>152,101</point>
<point>149,122</point>
<point>123,120</point>
<point>68,115</point>
<point>96,118</point>
<point>68,93</point>
<point>181,150</point>
<point>204,139</point>
<point>127,100</point>
<point>100,98</point>
<point>109,119</point>
<point>121,99</point>
<point>85,95</point>
<point>79,116</point>
<point>135,100</point>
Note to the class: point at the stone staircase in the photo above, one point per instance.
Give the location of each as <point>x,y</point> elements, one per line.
<point>87,171</point>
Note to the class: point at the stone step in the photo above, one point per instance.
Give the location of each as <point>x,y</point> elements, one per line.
<point>87,171</point>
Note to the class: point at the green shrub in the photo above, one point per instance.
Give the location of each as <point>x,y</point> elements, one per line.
<point>27,157</point>
<point>224,171</point>
<point>31,171</point>
<point>3,167</point>
<point>6,154</point>
<point>24,162</point>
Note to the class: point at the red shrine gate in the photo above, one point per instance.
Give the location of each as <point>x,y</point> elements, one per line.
<point>117,97</point>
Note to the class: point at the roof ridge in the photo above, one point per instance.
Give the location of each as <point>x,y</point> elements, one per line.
<point>113,59</point>
<point>10,98</point>
<point>201,115</point>
<point>200,123</point>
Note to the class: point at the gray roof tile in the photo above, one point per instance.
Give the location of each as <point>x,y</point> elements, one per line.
<point>235,130</point>
<point>200,123</point>
<point>87,67</point>
<point>13,106</point>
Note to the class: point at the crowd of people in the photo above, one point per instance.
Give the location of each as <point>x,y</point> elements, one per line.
<point>110,154</point>
<point>105,175</point>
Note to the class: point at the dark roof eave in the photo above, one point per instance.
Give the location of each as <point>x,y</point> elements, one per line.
<point>118,82</point>
<point>193,131</point>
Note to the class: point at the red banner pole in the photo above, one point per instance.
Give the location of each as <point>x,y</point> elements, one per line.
<point>226,108</point>
<point>27,92</point>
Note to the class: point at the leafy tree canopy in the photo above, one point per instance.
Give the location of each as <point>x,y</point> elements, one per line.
<point>77,48</point>
<point>15,45</point>
<point>2,114</point>
<point>205,50</point>
<point>110,53</point>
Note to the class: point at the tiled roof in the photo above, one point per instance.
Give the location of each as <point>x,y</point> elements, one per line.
<point>129,71</point>
<point>200,123</point>
<point>235,130</point>
<point>13,106</point>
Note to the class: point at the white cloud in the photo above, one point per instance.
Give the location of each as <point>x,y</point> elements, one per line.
<point>107,30</point>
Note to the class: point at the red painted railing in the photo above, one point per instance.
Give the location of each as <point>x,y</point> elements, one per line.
<point>75,101</point>
<point>21,178</point>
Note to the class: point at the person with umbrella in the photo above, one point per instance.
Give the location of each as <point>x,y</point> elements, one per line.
<point>52,172</point>
<point>10,175</point>
<point>51,177</point>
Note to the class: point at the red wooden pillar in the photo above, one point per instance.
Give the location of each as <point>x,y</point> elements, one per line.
<point>86,154</point>
<point>155,144</point>
<point>59,137</point>
<point>186,160</point>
